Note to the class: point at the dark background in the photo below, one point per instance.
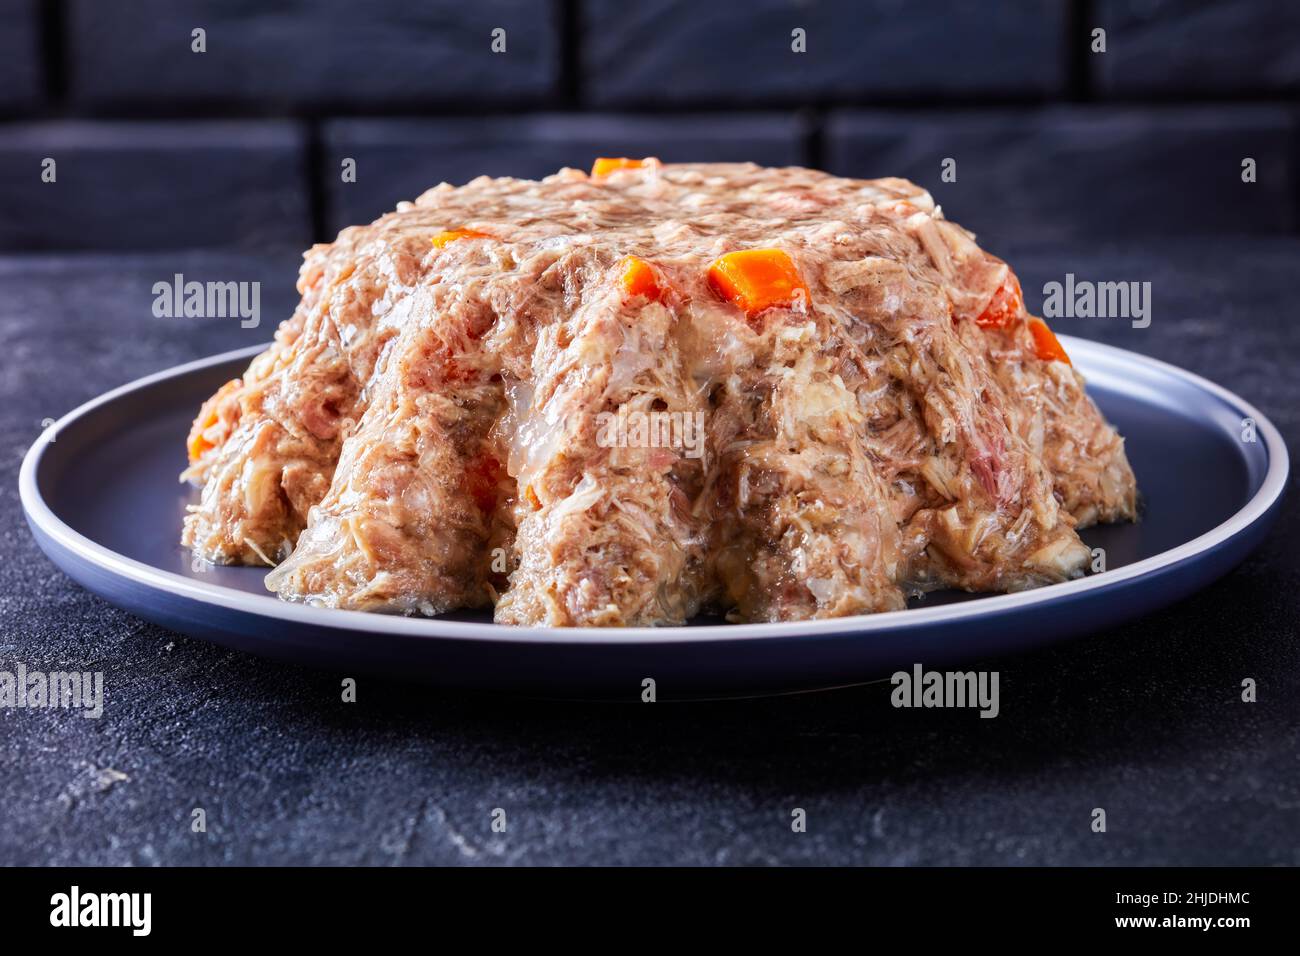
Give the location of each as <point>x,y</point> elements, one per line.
<point>159,147</point>
<point>225,165</point>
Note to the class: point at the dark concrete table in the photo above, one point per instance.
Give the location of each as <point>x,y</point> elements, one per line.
<point>1145,721</point>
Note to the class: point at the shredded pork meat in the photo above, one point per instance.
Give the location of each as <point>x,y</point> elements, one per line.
<point>431,429</point>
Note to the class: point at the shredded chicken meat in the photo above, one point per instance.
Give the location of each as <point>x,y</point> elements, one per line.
<point>456,413</point>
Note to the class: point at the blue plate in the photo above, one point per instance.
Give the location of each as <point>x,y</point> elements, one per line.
<point>100,492</point>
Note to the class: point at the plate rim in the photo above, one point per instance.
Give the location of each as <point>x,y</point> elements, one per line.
<point>43,518</point>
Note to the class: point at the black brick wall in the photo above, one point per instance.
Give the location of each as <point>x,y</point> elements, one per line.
<point>682,52</point>
<point>157,146</point>
<point>289,55</point>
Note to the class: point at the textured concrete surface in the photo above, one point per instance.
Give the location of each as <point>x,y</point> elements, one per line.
<point>1145,721</point>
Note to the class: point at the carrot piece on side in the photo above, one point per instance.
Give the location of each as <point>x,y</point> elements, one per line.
<point>1046,345</point>
<point>757,279</point>
<point>1006,304</point>
<point>443,239</point>
<point>198,443</point>
<point>531,497</point>
<point>605,165</point>
<point>640,278</point>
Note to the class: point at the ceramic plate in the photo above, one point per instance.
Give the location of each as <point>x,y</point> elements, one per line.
<point>100,492</point>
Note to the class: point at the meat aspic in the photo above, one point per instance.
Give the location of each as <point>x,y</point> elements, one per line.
<point>625,397</point>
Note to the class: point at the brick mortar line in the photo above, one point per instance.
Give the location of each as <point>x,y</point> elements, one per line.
<point>570,41</point>
<point>52,47</point>
<point>1154,102</point>
<point>314,169</point>
<point>1078,67</point>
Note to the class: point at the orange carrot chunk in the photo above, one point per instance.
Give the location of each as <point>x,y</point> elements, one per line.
<point>640,278</point>
<point>1006,304</point>
<point>442,239</point>
<point>605,165</point>
<point>757,279</point>
<point>1046,344</point>
<point>531,497</point>
<point>198,444</point>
